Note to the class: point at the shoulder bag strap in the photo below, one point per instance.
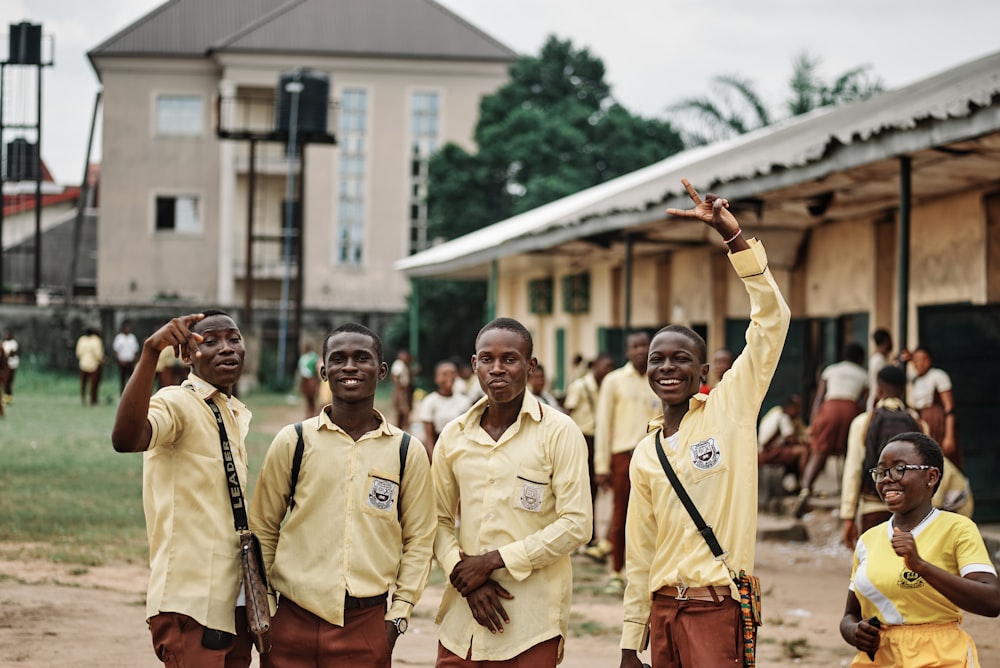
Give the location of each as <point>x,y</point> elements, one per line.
<point>404,447</point>
<point>704,529</point>
<point>232,478</point>
<point>296,464</point>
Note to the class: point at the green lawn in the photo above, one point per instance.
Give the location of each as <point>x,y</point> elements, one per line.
<point>65,494</point>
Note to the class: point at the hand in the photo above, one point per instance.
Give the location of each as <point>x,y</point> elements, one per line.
<point>176,333</point>
<point>948,445</point>
<point>603,480</point>
<point>866,637</point>
<point>850,534</point>
<point>391,636</point>
<point>472,572</point>
<point>714,210</point>
<point>487,608</point>
<point>630,659</point>
<point>906,547</point>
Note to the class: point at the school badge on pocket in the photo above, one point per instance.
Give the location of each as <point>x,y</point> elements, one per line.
<point>381,494</point>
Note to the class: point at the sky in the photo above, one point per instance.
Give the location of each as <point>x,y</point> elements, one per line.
<point>656,52</point>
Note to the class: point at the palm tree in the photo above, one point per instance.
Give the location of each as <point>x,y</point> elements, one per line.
<point>733,107</point>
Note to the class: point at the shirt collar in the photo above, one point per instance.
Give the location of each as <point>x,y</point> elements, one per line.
<point>530,406</point>
<point>383,429</point>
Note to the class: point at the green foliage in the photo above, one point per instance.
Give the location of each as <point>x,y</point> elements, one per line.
<point>733,106</point>
<point>551,131</point>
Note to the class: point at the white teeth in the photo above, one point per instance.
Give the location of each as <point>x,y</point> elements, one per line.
<point>891,494</point>
<point>670,382</point>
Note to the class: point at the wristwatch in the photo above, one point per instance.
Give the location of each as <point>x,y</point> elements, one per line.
<point>401,625</point>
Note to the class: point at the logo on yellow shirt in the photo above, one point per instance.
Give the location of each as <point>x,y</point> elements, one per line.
<point>910,580</point>
<point>705,455</point>
<point>381,493</point>
<point>531,496</point>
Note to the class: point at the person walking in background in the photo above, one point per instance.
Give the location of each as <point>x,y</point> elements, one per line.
<point>625,405</point>
<point>442,405</point>
<point>536,383</point>
<point>4,373</point>
<point>195,606</point>
<point>402,388</point>
<point>931,394</point>
<point>90,358</point>
<point>308,377</point>
<point>870,431</point>
<point>681,599</point>
<point>581,405</point>
<point>467,383</point>
<point>515,471</point>
<point>878,359</point>
<point>11,350</point>
<point>126,349</point>
<point>914,574</point>
<point>353,556</point>
<point>841,394</point>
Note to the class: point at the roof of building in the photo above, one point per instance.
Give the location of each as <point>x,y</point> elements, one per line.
<point>372,28</point>
<point>962,103</point>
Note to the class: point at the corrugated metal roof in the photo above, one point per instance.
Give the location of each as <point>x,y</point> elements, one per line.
<point>800,141</point>
<point>380,28</point>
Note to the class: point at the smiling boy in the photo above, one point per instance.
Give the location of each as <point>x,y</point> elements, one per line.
<point>361,525</point>
<point>680,598</point>
<point>194,601</point>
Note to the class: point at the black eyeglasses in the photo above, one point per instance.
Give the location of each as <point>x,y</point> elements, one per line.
<point>896,472</point>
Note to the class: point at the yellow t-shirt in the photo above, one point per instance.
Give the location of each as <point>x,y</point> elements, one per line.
<point>194,550</point>
<point>625,405</point>
<point>89,352</point>
<point>581,402</point>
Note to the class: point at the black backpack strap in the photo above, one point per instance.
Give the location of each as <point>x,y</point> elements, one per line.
<point>404,447</point>
<point>300,447</point>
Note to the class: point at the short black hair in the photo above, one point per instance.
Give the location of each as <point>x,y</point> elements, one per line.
<point>892,376</point>
<point>208,313</point>
<point>854,352</point>
<point>881,336</point>
<point>356,328</point>
<point>510,325</point>
<point>927,351</point>
<point>927,448</point>
<point>694,337</point>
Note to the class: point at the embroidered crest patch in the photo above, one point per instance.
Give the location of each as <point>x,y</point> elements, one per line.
<point>382,493</point>
<point>531,496</point>
<point>705,455</point>
<point>909,579</point>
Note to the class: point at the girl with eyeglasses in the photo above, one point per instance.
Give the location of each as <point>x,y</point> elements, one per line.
<point>915,573</point>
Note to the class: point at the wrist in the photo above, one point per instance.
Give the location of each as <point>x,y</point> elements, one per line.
<point>733,237</point>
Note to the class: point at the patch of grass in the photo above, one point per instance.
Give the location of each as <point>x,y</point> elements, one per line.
<point>580,626</point>
<point>67,496</point>
<point>795,648</point>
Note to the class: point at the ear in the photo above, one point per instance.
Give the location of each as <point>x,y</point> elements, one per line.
<point>532,365</point>
<point>322,372</point>
<point>933,475</point>
<point>383,370</point>
<point>704,373</point>
<point>472,361</point>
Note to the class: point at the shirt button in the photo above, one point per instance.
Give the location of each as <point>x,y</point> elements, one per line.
<point>491,481</point>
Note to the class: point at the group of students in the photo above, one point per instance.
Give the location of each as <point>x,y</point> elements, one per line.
<point>350,510</point>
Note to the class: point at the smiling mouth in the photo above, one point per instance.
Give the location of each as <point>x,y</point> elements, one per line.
<point>668,382</point>
<point>350,381</point>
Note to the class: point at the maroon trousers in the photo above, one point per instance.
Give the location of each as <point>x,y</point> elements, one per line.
<point>620,488</point>
<point>695,633</point>
<point>177,642</point>
<point>542,655</point>
<point>300,639</point>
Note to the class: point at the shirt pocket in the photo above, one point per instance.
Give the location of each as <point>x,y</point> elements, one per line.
<point>381,494</point>
<point>532,490</point>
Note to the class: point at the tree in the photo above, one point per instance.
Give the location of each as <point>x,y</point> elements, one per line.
<point>734,107</point>
<point>552,130</point>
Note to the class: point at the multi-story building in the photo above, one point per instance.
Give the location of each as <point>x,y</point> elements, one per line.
<point>180,213</point>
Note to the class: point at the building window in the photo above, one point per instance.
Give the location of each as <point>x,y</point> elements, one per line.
<point>540,295</point>
<point>178,115</point>
<point>353,162</point>
<point>178,213</point>
<point>424,121</point>
<point>576,293</point>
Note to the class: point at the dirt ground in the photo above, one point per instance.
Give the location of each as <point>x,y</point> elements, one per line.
<point>69,616</point>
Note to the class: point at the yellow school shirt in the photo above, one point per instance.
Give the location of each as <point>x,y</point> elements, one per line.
<point>90,352</point>
<point>345,534</point>
<point>716,461</point>
<point>526,495</point>
<point>581,399</point>
<point>194,551</point>
<point>625,405</point>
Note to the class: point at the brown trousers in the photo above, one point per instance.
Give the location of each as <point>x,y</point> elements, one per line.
<point>620,488</point>
<point>177,642</point>
<point>542,655</point>
<point>695,633</point>
<point>301,639</point>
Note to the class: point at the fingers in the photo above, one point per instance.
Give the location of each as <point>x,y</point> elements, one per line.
<point>502,593</point>
<point>692,193</point>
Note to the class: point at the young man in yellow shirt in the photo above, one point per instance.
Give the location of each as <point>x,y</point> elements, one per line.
<point>680,599</point>
<point>361,526</point>
<point>194,604</point>
<point>516,472</point>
